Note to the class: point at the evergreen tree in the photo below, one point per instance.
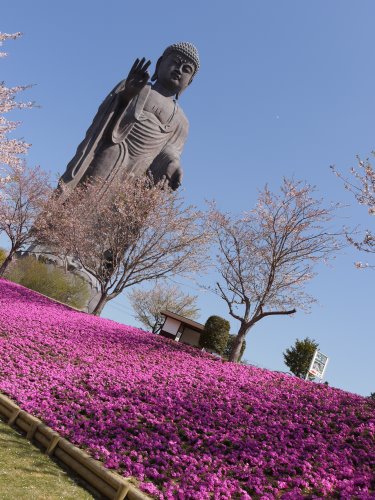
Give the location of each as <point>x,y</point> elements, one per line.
<point>298,357</point>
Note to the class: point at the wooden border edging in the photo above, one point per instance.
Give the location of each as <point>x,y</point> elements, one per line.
<point>109,484</point>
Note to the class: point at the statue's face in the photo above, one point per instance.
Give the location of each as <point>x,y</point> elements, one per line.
<point>175,72</point>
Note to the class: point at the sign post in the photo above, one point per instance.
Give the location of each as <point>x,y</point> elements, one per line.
<point>318,365</point>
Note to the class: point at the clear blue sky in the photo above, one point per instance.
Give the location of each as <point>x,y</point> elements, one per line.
<point>285,89</point>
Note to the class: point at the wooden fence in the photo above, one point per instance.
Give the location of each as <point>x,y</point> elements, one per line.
<point>109,484</point>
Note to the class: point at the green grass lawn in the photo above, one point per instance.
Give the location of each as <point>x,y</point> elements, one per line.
<point>26,473</point>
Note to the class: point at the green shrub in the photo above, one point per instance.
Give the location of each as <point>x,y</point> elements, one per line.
<point>215,334</point>
<point>3,254</point>
<point>49,280</point>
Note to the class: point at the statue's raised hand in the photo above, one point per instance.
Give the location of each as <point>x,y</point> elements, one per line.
<point>137,78</point>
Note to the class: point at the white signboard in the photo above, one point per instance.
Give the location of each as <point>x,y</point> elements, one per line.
<point>318,365</point>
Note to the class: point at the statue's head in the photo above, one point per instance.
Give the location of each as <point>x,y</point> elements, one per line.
<point>177,66</point>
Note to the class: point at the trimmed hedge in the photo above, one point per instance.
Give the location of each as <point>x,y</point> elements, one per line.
<point>215,335</point>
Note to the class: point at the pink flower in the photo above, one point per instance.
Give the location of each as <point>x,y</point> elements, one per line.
<point>170,414</point>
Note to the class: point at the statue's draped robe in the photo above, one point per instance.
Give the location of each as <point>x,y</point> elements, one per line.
<point>126,142</point>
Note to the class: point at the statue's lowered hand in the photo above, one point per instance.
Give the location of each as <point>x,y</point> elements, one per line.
<point>137,78</point>
<point>173,175</point>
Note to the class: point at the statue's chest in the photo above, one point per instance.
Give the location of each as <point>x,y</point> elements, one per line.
<point>161,107</point>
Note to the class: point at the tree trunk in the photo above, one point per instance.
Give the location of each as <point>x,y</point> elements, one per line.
<point>237,344</point>
<point>156,328</point>
<point>6,263</point>
<point>100,305</point>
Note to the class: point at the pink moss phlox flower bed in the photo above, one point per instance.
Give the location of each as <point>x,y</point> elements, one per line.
<point>187,425</point>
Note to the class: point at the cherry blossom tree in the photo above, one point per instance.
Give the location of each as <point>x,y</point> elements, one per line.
<point>8,36</point>
<point>362,186</point>
<point>266,256</point>
<point>11,150</point>
<point>125,233</point>
<point>23,189</point>
<point>148,304</point>
<point>24,192</point>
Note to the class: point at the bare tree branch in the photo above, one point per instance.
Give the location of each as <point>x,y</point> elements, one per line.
<point>363,188</point>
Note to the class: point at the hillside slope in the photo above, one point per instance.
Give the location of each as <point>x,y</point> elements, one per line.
<point>185,424</point>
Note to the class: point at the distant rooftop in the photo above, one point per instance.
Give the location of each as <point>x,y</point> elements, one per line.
<point>187,321</point>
